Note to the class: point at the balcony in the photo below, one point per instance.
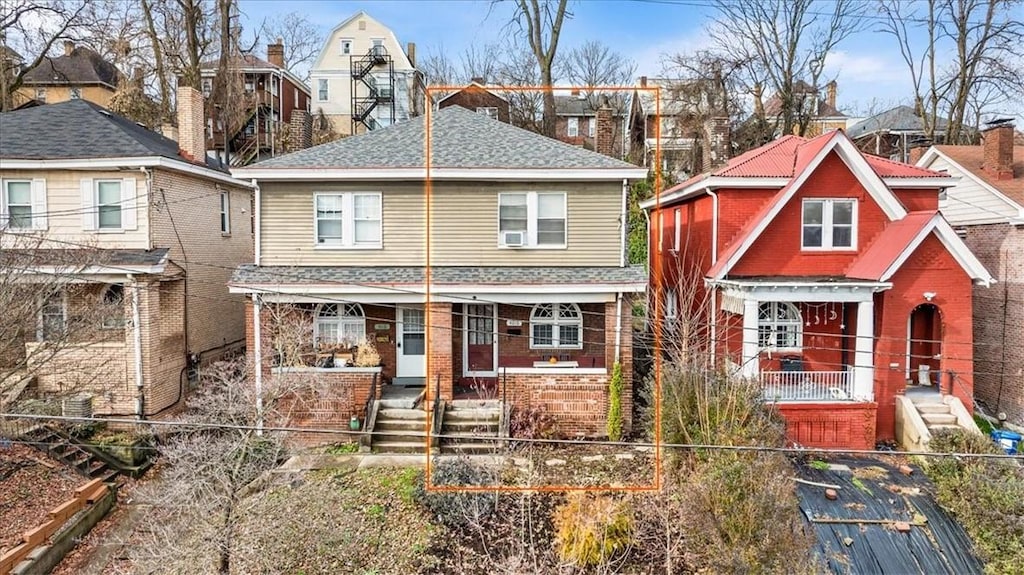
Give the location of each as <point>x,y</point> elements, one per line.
<point>807,385</point>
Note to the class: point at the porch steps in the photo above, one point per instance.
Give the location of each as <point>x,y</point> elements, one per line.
<point>936,413</point>
<point>83,461</point>
<point>399,429</point>
<point>471,426</point>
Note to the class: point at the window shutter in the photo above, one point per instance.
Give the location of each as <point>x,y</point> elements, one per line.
<point>88,206</point>
<point>129,206</point>
<point>39,215</point>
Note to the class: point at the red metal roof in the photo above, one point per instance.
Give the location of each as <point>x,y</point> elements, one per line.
<point>888,246</point>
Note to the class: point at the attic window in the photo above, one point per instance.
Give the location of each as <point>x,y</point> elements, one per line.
<point>829,225</point>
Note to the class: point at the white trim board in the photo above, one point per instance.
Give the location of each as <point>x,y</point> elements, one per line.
<point>956,246</point>
<point>102,164</point>
<point>488,174</point>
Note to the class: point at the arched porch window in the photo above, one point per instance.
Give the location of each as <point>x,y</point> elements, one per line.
<point>339,324</point>
<point>556,326</point>
<point>779,326</point>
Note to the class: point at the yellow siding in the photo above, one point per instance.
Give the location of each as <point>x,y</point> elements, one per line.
<point>55,94</point>
<point>464,226</point>
<point>64,209</point>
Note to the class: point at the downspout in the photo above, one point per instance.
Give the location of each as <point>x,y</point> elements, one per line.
<point>256,222</point>
<point>258,360</point>
<point>137,333</point>
<point>149,213</point>
<point>713,301</point>
<point>624,226</point>
<point>618,326</point>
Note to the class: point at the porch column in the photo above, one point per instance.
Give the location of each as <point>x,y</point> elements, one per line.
<point>750,366</point>
<point>863,356</point>
<point>439,352</point>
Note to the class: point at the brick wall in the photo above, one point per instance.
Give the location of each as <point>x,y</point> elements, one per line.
<point>439,349</point>
<point>830,425</point>
<point>187,208</point>
<point>999,320</point>
<point>514,350</point>
<point>191,126</point>
<point>322,400</point>
<point>579,403</point>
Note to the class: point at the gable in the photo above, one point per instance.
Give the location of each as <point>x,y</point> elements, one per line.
<point>808,159</point>
<point>331,58</point>
<point>972,200</point>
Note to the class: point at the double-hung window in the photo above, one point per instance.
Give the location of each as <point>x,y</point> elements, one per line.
<point>573,127</point>
<point>321,92</point>
<point>532,219</point>
<point>348,220</point>
<point>829,224</point>
<point>52,321</point>
<point>225,213</point>
<point>346,46</point>
<point>18,204</point>
<point>556,326</point>
<point>108,204</point>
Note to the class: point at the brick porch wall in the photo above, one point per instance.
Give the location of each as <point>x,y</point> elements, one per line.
<point>830,425</point>
<point>322,400</point>
<point>579,403</point>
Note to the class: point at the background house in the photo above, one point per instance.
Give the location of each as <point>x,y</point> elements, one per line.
<point>576,120</point>
<point>529,290</point>
<point>661,124</point>
<point>478,98</point>
<point>893,133</point>
<point>832,279</point>
<point>987,207</point>
<point>363,79</point>
<point>79,73</point>
<point>273,114</point>
<point>132,237</point>
<point>819,111</point>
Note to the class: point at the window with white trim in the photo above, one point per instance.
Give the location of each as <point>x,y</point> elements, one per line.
<point>113,307</point>
<point>489,111</point>
<point>207,86</point>
<point>341,324</point>
<point>322,91</point>
<point>556,326</point>
<point>348,220</point>
<point>225,212</point>
<point>779,326</point>
<point>346,46</point>
<point>591,126</point>
<point>18,204</point>
<point>573,127</point>
<point>108,204</point>
<point>41,94</point>
<point>52,321</point>
<point>539,218</point>
<point>671,308</point>
<point>678,230</point>
<point>829,225</point>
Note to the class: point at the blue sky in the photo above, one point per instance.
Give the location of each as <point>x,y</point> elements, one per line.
<point>867,66</point>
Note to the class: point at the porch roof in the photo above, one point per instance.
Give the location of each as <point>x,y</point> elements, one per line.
<point>86,260</point>
<point>631,279</point>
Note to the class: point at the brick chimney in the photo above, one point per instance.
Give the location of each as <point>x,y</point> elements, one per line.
<point>275,53</point>
<point>997,143</point>
<point>643,81</point>
<point>830,93</point>
<point>758,93</point>
<point>410,51</point>
<point>478,80</point>
<point>191,127</point>
<point>69,47</point>
<point>604,137</point>
<point>915,154</point>
<point>302,130</point>
<point>717,141</point>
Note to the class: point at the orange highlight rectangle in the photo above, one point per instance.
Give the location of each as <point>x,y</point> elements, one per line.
<point>656,323</point>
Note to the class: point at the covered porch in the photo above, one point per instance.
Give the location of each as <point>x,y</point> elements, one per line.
<point>804,340</point>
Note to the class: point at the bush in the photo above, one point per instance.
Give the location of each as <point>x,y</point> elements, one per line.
<point>532,423</point>
<point>591,530</point>
<point>458,508</point>
<point>615,404</point>
<point>985,495</point>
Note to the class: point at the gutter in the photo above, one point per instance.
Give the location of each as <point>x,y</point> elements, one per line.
<point>256,221</point>
<point>618,325</point>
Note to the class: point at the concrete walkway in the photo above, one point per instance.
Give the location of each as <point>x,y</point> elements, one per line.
<point>313,461</point>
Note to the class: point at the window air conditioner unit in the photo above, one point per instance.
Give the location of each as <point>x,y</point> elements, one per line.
<point>513,239</point>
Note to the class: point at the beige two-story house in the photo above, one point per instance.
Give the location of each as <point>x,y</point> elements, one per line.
<point>120,242</point>
<point>494,266</point>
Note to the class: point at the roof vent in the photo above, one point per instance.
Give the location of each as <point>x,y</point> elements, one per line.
<point>105,112</point>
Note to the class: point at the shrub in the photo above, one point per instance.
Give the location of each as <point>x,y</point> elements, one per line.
<point>615,404</point>
<point>985,495</point>
<point>458,508</point>
<point>590,530</point>
<point>532,423</point>
<point>366,354</point>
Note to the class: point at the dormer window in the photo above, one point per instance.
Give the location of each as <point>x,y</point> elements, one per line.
<point>829,225</point>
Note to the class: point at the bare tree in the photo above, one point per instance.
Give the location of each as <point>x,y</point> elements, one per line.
<point>540,21</point>
<point>987,43</point>
<point>301,38</point>
<point>594,63</point>
<point>518,71</point>
<point>784,43</point>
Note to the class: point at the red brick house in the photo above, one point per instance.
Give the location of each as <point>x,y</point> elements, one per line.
<point>831,277</point>
<point>477,97</point>
<point>987,207</point>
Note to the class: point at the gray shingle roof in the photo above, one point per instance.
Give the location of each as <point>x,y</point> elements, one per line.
<point>78,257</point>
<point>459,138</point>
<point>447,275</point>
<point>82,66</point>
<point>78,129</point>
<point>576,106</point>
<point>898,119</point>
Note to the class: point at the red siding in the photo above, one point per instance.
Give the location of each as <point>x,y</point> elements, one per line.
<point>919,200</point>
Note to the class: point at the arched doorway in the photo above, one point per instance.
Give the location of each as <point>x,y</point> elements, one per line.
<point>924,345</point>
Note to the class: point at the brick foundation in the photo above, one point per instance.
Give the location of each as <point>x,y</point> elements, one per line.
<point>830,425</point>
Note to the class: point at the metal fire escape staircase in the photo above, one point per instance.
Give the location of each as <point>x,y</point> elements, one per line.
<point>369,92</point>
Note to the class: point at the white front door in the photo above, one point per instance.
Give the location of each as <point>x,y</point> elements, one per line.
<point>411,342</point>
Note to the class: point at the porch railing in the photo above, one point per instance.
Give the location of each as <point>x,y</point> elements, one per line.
<point>807,385</point>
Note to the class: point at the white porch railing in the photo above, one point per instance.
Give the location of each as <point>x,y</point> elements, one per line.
<point>807,385</point>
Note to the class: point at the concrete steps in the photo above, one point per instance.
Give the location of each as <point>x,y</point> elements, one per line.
<point>936,414</point>
<point>399,429</point>
<point>471,426</point>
